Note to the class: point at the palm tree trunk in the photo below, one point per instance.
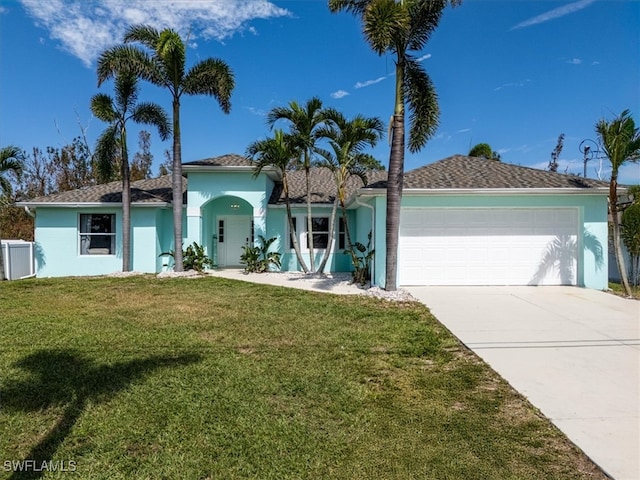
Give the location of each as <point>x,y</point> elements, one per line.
<point>394,183</point>
<point>327,252</point>
<point>176,187</point>
<point>312,260</point>
<point>126,205</point>
<point>292,230</point>
<point>617,245</point>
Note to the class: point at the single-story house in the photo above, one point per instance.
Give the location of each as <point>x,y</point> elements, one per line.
<point>464,221</point>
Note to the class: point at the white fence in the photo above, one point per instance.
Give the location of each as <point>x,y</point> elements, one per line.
<point>19,259</point>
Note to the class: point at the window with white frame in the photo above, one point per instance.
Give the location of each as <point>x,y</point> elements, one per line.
<point>320,229</point>
<point>97,234</point>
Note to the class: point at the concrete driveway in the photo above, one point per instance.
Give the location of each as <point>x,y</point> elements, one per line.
<point>574,353</point>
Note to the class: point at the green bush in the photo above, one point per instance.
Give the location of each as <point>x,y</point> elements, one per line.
<point>258,259</point>
<point>193,258</point>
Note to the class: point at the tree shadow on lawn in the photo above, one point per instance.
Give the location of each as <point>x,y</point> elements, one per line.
<point>60,377</point>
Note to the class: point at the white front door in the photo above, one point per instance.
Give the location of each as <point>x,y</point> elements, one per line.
<point>234,232</point>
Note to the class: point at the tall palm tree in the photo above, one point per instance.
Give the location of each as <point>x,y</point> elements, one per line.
<point>401,28</point>
<point>304,120</point>
<point>620,140</point>
<point>114,139</point>
<point>278,152</point>
<point>11,161</point>
<point>163,63</point>
<point>346,159</point>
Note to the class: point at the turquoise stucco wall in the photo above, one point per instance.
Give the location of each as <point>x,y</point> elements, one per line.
<point>205,202</point>
<point>277,227</point>
<point>592,271</point>
<point>57,244</point>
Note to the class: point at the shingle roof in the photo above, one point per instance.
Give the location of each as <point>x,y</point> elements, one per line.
<point>152,190</point>
<point>323,186</point>
<point>462,172</point>
<point>228,160</point>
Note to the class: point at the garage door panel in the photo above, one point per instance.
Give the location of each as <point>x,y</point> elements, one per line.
<point>488,246</point>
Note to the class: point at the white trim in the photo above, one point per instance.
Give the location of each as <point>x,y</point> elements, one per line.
<point>599,191</point>
<point>90,204</point>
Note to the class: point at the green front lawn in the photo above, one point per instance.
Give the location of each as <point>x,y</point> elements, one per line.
<point>209,378</point>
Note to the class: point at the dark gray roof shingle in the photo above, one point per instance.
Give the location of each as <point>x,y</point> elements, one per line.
<point>228,160</point>
<point>151,190</point>
<point>462,172</point>
<point>323,186</point>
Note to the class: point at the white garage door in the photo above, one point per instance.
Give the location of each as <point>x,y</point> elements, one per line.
<point>492,246</point>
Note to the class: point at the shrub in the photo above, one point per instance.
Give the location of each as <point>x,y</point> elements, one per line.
<point>258,259</point>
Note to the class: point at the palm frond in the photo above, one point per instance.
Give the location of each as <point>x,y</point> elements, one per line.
<point>128,58</point>
<point>422,99</point>
<point>386,25</point>
<point>424,17</point>
<point>211,77</point>
<point>620,140</point>
<point>153,114</point>
<point>126,89</point>
<point>144,34</point>
<point>102,108</point>
<point>106,151</point>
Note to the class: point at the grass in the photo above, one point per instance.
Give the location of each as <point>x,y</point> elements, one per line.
<point>209,378</point>
<point>618,289</point>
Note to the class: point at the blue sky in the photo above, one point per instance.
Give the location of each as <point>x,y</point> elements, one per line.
<point>514,74</point>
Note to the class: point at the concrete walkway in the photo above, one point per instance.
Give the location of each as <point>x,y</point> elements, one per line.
<point>574,353</point>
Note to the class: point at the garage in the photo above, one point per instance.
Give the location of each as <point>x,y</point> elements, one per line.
<point>488,246</point>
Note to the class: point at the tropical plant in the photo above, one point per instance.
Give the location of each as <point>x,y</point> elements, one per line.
<point>620,141</point>
<point>163,63</point>
<point>11,162</point>
<point>194,258</point>
<point>401,28</point>
<point>114,140</point>
<point>278,152</point>
<point>347,139</point>
<point>630,233</point>
<point>362,256</point>
<point>304,122</point>
<point>484,150</point>
<point>258,258</point>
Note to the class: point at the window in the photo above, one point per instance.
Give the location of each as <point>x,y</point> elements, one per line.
<point>320,229</point>
<point>221,231</point>
<point>97,234</point>
<point>342,237</point>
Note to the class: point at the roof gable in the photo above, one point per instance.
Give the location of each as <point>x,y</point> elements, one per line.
<point>228,160</point>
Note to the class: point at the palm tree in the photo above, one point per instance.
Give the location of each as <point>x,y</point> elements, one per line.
<point>347,139</point>
<point>401,28</point>
<point>620,140</point>
<point>163,63</point>
<point>278,152</point>
<point>114,139</point>
<point>11,161</point>
<point>305,120</point>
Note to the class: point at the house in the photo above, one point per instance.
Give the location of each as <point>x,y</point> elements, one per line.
<point>464,221</point>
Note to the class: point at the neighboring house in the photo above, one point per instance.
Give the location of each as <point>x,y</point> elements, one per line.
<point>464,221</point>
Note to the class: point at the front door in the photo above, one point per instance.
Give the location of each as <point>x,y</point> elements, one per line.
<point>234,232</point>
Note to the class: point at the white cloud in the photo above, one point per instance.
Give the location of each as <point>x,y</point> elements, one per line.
<point>423,58</point>
<point>555,13</point>
<point>339,94</point>
<point>369,82</point>
<point>256,111</point>
<point>595,62</point>
<point>84,29</point>
<point>464,130</point>
<point>574,61</point>
<point>519,84</point>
